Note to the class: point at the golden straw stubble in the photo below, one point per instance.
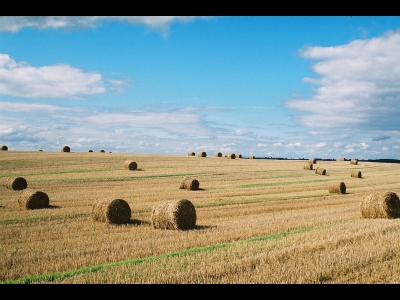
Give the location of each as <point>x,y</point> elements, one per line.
<point>110,210</point>
<point>176,215</point>
<point>380,205</point>
<point>30,198</point>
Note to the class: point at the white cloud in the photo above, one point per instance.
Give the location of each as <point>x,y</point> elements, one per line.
<point>243,132</point>
<point>277,144</point>
<point>16,23</point>
<point>357,85</point>
<point>58,81</point>
<point>261,145</point>
<point>291,145</point>
<point>321,145</point>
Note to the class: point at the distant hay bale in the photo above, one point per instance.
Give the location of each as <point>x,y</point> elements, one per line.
<point>110,210</point>
<point>339,187</point>
<point>239,156</point>
<point>202,154</point>
<point>4,147</point>
<point>252,157</point>
<point>189,183</point>
<point>40,150</point>
<point>65,149</point>
<point>191,154</point>
<point>217,154</point>
<point>356,174</point>
<point>33,199</point>
<point>320,171</point>
<point>16,183</point>
<point>308,166</point>
<point>102,151</point>
<point>130,165</point>
<point>176,215</point>
<point>312,160</point>
<point>90,151</point>
<point>354,162</point>
<point>341,159</point>
<point>380,205</point>
<point>231,156</point>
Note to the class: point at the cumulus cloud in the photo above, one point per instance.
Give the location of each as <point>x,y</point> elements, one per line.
<point>16,23</point>
<point>243,132</point>
<point>357,85</point>
<point>58,81</point>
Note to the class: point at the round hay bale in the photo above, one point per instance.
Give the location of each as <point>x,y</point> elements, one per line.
<point>239,156</point>
<point>252,157</point>
<point>189,183</point>
<point>341,159</point>
<point>202,154</point>
<point>177,215</point>
<point>4,147</point>
<point>33,199</point>
<point>231,156</point>
<point>40,150</point>
<point>308,166</point>
<point>380,205</point>
<point>130,165</point>
<point>191,154</point>
<point>312,160</point>
<point>102,151</point>
<point>320,171</point>
<point>90,151</point>
<point>339,187</point>
<point>16,183</point>
<point>110,210</point>
<point>356,174</point>
<point>217,154</point>
<point>65,149</point>
<point>354,162</point>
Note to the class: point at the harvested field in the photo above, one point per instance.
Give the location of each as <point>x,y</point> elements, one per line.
<point>257,221</point>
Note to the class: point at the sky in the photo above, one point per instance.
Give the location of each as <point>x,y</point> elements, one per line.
<point>264,86</point>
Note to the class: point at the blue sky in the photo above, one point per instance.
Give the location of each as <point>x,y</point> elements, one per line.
<point>268,86</point>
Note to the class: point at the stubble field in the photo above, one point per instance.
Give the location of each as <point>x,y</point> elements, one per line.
<point>258,221</point>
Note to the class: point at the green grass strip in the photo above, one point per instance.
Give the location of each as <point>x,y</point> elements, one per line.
<point>118,178</point>
<point>282,183</point>
<point>42,218</point>
<point>62,275</point>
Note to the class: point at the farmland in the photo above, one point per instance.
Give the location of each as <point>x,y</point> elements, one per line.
<point>258,221</point>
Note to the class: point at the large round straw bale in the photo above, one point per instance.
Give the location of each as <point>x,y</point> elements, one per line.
<point>191,154</point>
<point>339,187</point>
<point>110,210</point>
<point>231,156</point>
<point>320,171</point>
<point>189,183</point>
<point>4,147</point>
<point>308,166</point>
<point>217,154</point>
<point>312,160</point>
<point>354,161</point>
<point>252,157</point>
<point>380,205</point>
<point>90,151</point>
<point>341,159</point>
<point>178,215</point>
<point>102,151</point>
<point>32,199</point>
<point>239,156</point>
<point>16,183</point>
<point>202,154</point>
<point>356,174</point>
<point>130,165</point>
<point>65,149</point>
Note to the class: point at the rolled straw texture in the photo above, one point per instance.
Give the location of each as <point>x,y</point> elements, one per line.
<point>110,210</point>
<point>380,205</point>
<point>176,215</point>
